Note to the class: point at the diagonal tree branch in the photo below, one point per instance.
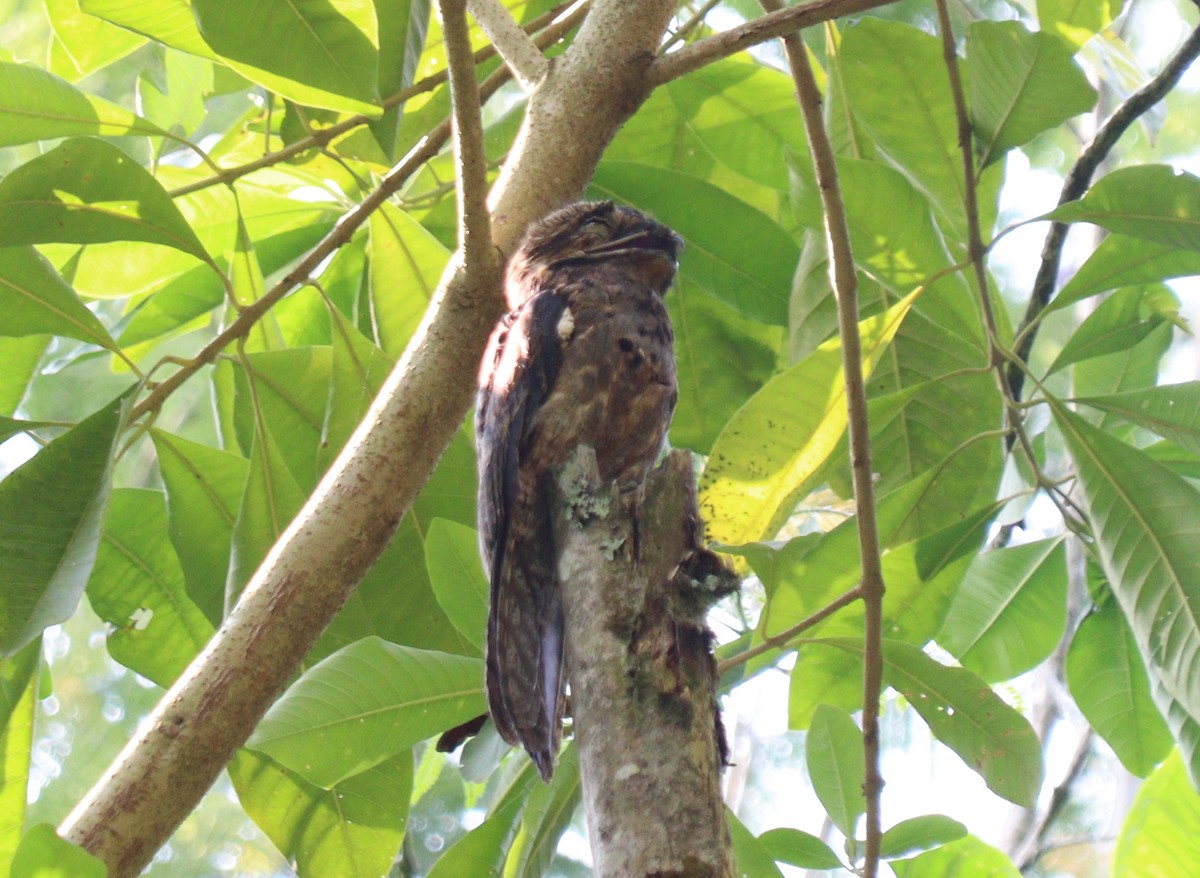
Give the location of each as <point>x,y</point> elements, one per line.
<point>1077,183</point>
<point>212,708</point>
<point>845,286</point>
<point>775,24</point>
<point>523,57</point>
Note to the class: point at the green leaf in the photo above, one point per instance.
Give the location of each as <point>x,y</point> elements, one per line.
<point>204,492</point>
<point>1118,323</point>
<point>482,851</point>
<point>406,264</point>
<point>37,105</point>
<point>1021,84</point>
<point>897,85</point>
<point>1143,519</point>
<point>782,436</point>
<point>402,29</point>
<point>918,834</point>
<point>364,704</point>
<point>722,357</point>
<point>35,300</point>
<point>966,858</point>
<point>1129,370</point>
<point>1010,611</point>
<point>321,53</point>
<point>353,829</point>
<point>19,358</point>
<point>1161,835</point>
<point>733,251</point>
<point>86,191</point>
<point>1077,21</point>
<point>967,716</point>
<point>456,574</point>
<point>137,587</point>
<point>358,371</point>
<point>50,512</point>
<point>834,750</point>
<point>1108,682</point>
<point>88,42</point>
<point>1123,261</point>
<point>798,848</point>
<point>753,858</point>
<point>1154,202</point>
<point>1170,410</point>
<point>42,854</point>
<point>18,703</point>
<point>166,21</point>
<point>546,816</point>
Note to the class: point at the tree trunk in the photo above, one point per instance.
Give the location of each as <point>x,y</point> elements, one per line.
<point>642,676</point>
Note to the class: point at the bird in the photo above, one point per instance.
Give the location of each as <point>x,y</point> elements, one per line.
<point>583,357</point>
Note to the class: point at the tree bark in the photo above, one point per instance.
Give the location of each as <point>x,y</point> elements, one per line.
<point>641,672</point>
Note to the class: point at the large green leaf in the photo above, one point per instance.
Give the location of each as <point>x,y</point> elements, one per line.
<point>1122,261</point>
<point>1129,370</point>
<point>1154,202</point>
<point>50,513</point>
<point>733,251</point>
<point>43,854</point>
<point>402,29</point>
<point>782,436</point>
<point>406,263</point>
<point>87,190</point>
<point>1161,835</point>
<point>458,578</point>
<point>36,300</point>
<point>322,53</point>
<point>204,491</point>
<point>1010,611</point>
<point>834,750</point>
<point>1021,84</point>
<point>137,587</point>
<point>352,829</point>
<point>18,688</point>
<point>798,848</point>
<point>1077,21</point>
<point>19,358</point>
<point>1170,410</point>
<point>364,704</point>
<point>965,715</point>
<point>1119,323</point>
<point>482,851</point>
<point>966,858</point>
<point>752,857</point>
<point>167,21</point>
<point>919,833</point>
<point>88,43</point>
<point>1108,681</point>
<point>1143,518</point>
<point>37,105</point>
<point>358,370</point>
<point>546,816</point>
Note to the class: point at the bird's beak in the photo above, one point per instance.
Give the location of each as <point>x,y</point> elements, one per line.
<point>639,243</point>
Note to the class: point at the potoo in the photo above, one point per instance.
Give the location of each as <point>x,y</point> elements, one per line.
<point>584,357</point>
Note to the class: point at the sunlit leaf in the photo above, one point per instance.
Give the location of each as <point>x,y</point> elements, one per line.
<point>36,300</point>
<point>1143,518</point>
<point>37,105</point>
<point>137,587</point>
<point>352,829</point>
<point>1170,410</point>
<point>364,704</point>
<point>18,692</point>
<point>358,370</point>
<point>318,53</point>
<point>782,436</point>
<point>966,858</point>
<point>406,263</point>
<point>1021,84</point>
<point>1076,21</point>
<point>798,848</point>
<point>89,42</point>
<point>168,21</point>
<point>457,576</point>
<point>1010,612</point>
<point>834,750</point>
<point>87,190</point>
<point>50,513</point>
<point>43,854</point>
<point>918,834</point>
<point>1154,202</point>
<point>1108,681</point>
<point>1161,835</point>
<point>19,359</point>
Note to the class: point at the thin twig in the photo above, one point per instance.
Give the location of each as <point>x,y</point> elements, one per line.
<point>480,259</point>
<point>523,57</point>
<point>768,27</point>
<point>783,638</point>
<point>688,26</point>
<point>845,285</point>
<point>325,136</point>
<point>1076,185</point>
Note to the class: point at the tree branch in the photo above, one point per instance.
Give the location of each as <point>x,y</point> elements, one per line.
<point>643,680</point>
<point>211,709</point>
<point>845,286</point>
<point>734,40</point>
<point>523,57</point>
<point>1077,183</point>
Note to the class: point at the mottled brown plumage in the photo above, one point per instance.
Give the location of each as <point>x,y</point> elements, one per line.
<point>584,358</point>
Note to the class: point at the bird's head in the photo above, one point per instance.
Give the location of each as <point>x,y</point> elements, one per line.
<point>590,233</point>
